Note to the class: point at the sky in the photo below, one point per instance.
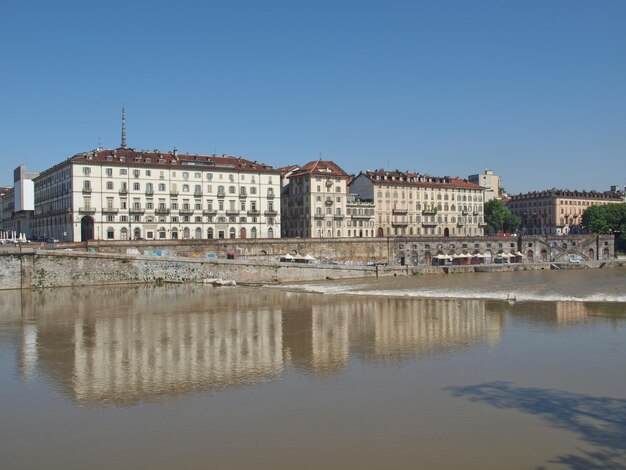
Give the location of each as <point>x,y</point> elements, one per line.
<point>534,90</point>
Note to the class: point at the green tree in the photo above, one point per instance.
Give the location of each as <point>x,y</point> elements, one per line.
<point>498,217</point>
<point>607,219</point>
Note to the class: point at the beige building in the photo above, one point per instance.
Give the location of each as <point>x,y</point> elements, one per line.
<point>411,204</point>
<point>557,211</point>
<point>126,194</point>
<point>314,201</point>
<point>489,181</point>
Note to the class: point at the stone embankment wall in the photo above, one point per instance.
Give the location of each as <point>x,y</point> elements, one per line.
<point>100,263</point>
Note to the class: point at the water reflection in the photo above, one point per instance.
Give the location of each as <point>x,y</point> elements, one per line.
<point>124,345</point>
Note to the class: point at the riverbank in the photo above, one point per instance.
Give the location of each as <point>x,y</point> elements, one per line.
<point>27,268</point>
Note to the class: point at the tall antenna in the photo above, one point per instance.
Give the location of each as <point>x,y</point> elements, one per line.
<point>123,129</point>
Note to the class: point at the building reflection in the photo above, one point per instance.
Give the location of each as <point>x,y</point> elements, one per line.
<point>123,345</point>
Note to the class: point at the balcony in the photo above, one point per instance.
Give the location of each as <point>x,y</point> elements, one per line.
<point>338,216</point>
<point>243,195</point>
<point>186,211</point>
<point>399,223</point>
<point>136,210</point>
<point>270,213</point>
<point>221,194</point>
<point>329,202</point>
<point>149,192</point>
<point>397,211</point>
<point>123,191</point>
<point>86,210</point>
<point>270,195</point>
<point>430,224</point>
<point>197,193</point>
<point>429,211</point>
<point>460,223</point>
<point>230,212</point>
<point>87,190</point>
<point>254,212</point>
<point>464,213</point>
<point>361,216</point>
<point>161,211</point>
<point>318,216</point>
<point>110,210</point>
<point>173,192</point>
<point>209,212</point>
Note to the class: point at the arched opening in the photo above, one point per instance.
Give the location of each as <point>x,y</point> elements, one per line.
<point>136,233</point>
<point>427,258</point>
<point>174,233</point>
<point>198,234</point>
<point>86,228</point>
<point>605,253</point>
<point>543,256</point>
<point>380,232</point>
<point>242,232</point>
<point>446,232</point>
<point>110,233</point>
<point>270,232</point>
<point>123,233</point>
<point>162,233</point>
<point>232,232</point>
<point>209,233</point>
<point>186,233</point>
<point>591,254</point>
<point>253,232</point>
<point>530,256</point>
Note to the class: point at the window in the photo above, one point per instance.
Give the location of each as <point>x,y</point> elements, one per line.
<point>109,185</point>
<point>86,171</point>
<point>123,172</point>
<point>136,187</point>
<point>185,188</point>
<point>109,172</point>
<point>136,173</point>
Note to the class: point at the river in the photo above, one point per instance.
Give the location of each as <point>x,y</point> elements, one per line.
<point>408,372</point>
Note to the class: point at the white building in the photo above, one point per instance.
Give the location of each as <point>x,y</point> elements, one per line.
<point>489,181</point>
<point>124,193</point>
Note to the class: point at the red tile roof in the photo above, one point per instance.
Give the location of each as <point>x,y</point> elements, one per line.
<point>415,179</point>
<point>170,159</point>
<point>320,167</point>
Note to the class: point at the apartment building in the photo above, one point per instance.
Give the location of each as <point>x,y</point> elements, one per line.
<point>558,211</point>
<point>411,204</point>
<point>121,194</point>
<point>314,201</point>
<point>489,181</point>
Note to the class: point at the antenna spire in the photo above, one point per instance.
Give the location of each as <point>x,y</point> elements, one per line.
<point>123,129</point>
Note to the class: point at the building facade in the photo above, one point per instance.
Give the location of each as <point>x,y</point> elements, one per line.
<point>314,201</point>
<point>557,211</point>
<point>489,181</point>
<point>17,204</point>
<point>411,204</point>
<point>126,194</point>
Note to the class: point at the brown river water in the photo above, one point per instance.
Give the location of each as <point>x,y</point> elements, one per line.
<point>433,372</point>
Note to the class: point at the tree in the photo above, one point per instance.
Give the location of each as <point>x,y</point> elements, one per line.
<point>607,219</point>
<point>498,217</point>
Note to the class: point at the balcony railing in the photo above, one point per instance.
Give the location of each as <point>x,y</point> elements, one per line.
<point>136,210</point>
<point>173,192</point>
<point>232,212</point>
<point>429,224</point>
<point>243,195</point>
<point>149,192</point>
<point>197,193</point>
<point>271,213</point>
<point>186,211</point>
<point>86,210</point>
<point>209,212</point>
<point>399,211</point>
<point>429,211</point>
<point>338,216</point>
<point>161,211</point>
<point>399,223</point>
<point>124,191</point>
<point>329,202</point>
<point>110,210</point>
<point>221,194</point>
<point>87,190</point>
<point>254,212</point>
<point>270,195</point>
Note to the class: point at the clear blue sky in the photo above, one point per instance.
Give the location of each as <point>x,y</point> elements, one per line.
<point>535,90</point>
